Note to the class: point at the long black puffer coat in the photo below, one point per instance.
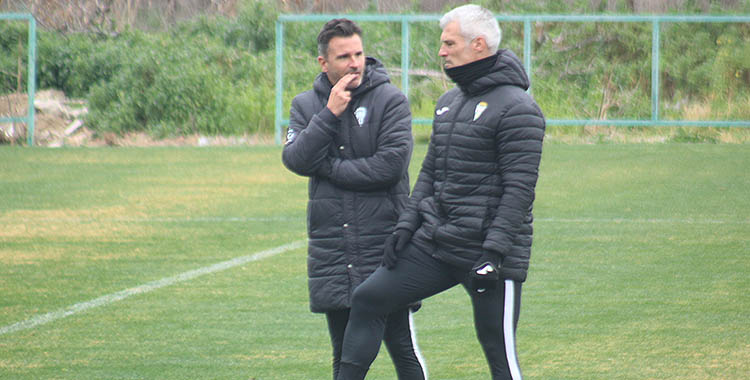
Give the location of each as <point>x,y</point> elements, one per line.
<point>476,188</point>
<point>357,164</point>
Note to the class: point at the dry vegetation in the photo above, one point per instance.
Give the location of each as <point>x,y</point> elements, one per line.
<point>106,16</point>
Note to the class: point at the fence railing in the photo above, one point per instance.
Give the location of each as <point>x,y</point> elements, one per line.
<point>527,20</point>
<point>30,75</point>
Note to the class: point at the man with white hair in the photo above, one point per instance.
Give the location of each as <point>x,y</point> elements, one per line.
<point>468,220</point>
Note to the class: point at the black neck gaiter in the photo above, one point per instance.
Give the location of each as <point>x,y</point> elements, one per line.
<point>465,75</point>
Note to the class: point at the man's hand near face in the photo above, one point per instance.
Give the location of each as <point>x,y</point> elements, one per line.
<point>340,96</point>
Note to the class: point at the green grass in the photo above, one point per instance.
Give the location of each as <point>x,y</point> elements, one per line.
<point>639,270</point>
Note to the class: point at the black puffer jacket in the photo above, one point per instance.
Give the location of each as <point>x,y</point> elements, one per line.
<point>475,190</point>
<point>358,180</point>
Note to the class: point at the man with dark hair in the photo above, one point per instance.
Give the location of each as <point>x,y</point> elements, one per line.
<point>351,135</point>
<point>468,220</point>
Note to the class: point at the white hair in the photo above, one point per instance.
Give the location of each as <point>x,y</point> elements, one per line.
<point>475,21</point>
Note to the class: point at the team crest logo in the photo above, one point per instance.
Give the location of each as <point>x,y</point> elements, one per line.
<point>479,110</point>
<point>360,113</point>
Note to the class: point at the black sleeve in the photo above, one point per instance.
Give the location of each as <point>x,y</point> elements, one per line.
<point>519,146</point>
<point>308,140</point>
<point>423,188</point>
<point>390,161</point>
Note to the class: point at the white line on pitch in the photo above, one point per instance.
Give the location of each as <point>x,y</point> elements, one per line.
<point>643,220</point>
<point>230,219</point>
<point>145,288</point>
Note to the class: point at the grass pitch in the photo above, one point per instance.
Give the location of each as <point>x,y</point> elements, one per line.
<point>639,268</point>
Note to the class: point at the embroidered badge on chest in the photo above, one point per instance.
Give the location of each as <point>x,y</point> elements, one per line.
<point>479,110</point>
<point>360,113</point>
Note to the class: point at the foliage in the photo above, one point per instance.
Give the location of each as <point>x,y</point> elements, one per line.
<point>75,62</point>
<point>215,75</point>
<point>12,33</point>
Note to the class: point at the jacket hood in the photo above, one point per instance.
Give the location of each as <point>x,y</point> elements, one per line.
<point>508,70</point>
<point>375,75</point>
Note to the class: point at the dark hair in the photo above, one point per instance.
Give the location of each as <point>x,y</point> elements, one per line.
<point>338,27</point>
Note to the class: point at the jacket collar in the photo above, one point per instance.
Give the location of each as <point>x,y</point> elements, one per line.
<point>507,70</point>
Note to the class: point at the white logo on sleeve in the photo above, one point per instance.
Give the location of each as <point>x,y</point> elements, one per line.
<point>360,113</point>
<point>290,135</point>
<point>479,110</point>
<point>442,111</point>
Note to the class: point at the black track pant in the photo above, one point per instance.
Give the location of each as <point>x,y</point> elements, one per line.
<point>417,276</point>
<point>399,337</point>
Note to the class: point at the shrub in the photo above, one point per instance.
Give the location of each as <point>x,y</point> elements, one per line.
<point>215,75</point>
<point>163,87</point>
<point>11,33</point>
<point>211,76</point>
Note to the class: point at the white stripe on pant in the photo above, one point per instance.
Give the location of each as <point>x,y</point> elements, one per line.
<point>417,352</point>
<point>509,330</point>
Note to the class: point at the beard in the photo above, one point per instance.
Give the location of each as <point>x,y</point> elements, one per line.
<point>335,77</point>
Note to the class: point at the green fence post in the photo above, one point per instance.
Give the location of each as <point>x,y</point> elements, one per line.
<point>655,31</point>
<point>405,47</point>
<point>31,81</point>
<point>28,119</point>
<point>279,79</point>
<point>527,48</point>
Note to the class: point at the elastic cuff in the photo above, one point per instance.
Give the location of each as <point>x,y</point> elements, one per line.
<point>326,115</point>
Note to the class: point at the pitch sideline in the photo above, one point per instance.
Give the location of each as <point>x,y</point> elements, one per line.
<point>145,288</point>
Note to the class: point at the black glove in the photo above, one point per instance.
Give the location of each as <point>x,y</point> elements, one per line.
<point>393,245</point>
<point>485,274</point>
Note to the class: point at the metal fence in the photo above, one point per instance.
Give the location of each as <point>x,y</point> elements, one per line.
<point>527,20</point>
<point>30,75</point>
